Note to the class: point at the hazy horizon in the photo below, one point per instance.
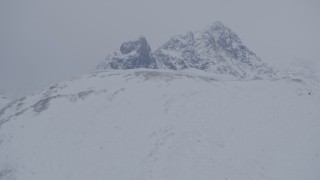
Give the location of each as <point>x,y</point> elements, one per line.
<point>43,42</point>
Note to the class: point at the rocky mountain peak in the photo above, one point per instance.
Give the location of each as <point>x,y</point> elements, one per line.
<point>216,49</point>
<point>132,54</point>
<point>216,26</point>
<point>221,35</point>
<point>141,46</point>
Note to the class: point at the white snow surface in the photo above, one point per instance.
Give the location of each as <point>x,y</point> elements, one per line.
<point>3,101</point>
<point>157,124</point>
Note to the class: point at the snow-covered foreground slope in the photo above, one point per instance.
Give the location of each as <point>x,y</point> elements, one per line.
<point>156,124</point>
<point>3,101</point>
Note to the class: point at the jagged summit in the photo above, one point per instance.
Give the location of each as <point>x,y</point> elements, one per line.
<point>132,54</point>
<point>219,33</point>
<point>216,49</point>
<point>218,25</point>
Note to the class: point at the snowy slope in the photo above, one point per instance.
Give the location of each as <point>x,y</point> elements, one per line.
<point>3,101</point>
<point>308,68</point>
<point>159,124</point>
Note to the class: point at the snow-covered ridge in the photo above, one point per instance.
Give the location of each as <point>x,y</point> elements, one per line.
<point>216,49</point>
<point>78,88</point>
<point>163,124</point>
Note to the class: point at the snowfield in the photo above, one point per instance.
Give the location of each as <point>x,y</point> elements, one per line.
<point>159,124</point>
<point>3,101</point>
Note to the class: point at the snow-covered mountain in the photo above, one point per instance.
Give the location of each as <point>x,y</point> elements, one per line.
<point>189,110</point>
<point>151,124</point>
<point>216,49</point>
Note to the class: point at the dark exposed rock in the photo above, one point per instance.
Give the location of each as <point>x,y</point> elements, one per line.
<point>133,54</point>
<point>42,104</point>
<point>141,46</point>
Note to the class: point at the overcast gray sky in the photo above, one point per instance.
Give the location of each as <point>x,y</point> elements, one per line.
<point>43,42</point>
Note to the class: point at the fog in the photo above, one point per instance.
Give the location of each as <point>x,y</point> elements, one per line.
<point>43,42</point>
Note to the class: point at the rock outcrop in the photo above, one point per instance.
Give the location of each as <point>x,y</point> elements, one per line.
<point>132,55</point>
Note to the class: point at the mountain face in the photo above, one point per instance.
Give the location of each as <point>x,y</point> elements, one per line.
<point>132,55</point>
<point>216,49</point>
<point>161,124</point>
